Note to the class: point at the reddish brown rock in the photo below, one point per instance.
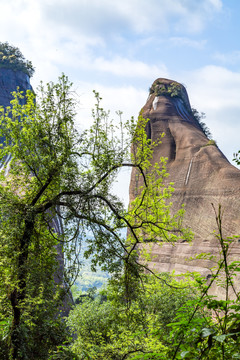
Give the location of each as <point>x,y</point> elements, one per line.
<point>201,174</point>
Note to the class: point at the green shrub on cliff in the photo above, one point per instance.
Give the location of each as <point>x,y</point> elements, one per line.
<point>12,58</point>
<point>173,90</point>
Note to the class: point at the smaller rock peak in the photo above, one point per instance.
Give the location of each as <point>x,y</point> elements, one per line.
<point>168,103</point>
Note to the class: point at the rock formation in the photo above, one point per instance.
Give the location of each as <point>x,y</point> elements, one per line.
<point>201,174</point>
<point>11,80</point>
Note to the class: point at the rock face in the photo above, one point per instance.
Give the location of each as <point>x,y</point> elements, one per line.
<point>9,81</point>
<point>201,174</point>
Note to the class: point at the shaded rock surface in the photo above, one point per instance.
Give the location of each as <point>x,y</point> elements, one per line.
<point>201,174</point>
<point>9,81</point>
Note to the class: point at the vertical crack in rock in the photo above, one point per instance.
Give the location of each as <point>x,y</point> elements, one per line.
<point>189,170</point>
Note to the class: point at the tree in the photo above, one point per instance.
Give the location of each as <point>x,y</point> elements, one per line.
<point>168,318</point>
<point>218,337</point>
<point>57,172</point>
<point>106,328</point>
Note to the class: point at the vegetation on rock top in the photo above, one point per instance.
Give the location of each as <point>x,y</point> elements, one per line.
<point>12,58</point>
<point>173,90</point>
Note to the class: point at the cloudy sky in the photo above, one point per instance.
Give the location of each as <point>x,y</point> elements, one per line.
<point>120,47</point>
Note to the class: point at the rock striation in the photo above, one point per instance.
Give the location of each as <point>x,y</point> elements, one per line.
<point>202,177</point>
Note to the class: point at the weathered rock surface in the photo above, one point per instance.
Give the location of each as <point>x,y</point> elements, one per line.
<point>9,81</point>
<point>201,174</point>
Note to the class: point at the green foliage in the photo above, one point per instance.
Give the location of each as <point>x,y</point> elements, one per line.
<point>211,142</point>
<point>62,353</point>
<point>199,118</point>
<point>173,90</point>
<point>236,157</point>
<point>218,337</point>
<point>57,172</point>
<point>12,58</point>
<point>111,329</point>
<point>158,317</point>
<point>88,279</point>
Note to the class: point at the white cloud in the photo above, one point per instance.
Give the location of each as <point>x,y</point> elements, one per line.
<point>228,58</point>
<point>124,67</point>
<point>218,87</point>
<point>183,41</point>
<point>128,99</point>
<point>217,4</point>
<point>196,14</point>
<point>215,90</point>
<point>141,16</point>
<point>63,34</point>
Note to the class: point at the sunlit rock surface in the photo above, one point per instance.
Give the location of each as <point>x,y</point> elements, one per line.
<point>202,177</point>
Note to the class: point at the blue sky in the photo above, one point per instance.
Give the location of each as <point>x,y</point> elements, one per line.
<point>120,48</point>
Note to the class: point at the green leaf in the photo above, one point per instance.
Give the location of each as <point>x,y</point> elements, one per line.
<point>220,338</point>
<point>206,332</point>
<point>184,353</point>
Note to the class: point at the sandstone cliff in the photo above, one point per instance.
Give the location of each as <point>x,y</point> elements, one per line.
<point>201,174</point>
<point>11,80</point>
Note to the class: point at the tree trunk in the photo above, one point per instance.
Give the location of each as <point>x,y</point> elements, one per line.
<point>18,295</point>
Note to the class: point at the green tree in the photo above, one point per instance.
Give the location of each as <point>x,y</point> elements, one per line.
<point>161,317</point>
<point>57,172</point>
<point>107,328</point>
<point>218,336</point>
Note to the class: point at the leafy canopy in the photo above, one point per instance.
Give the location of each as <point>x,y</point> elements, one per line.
<point>57,191</point>
<point>106,328</point>
<point>165,319</point>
